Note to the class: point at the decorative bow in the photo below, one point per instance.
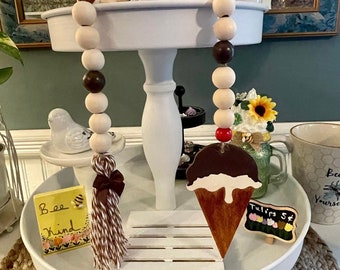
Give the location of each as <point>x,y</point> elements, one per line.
<point>103,183</point>
<point>254,139</point>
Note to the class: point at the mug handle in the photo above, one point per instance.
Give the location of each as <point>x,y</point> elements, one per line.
<point>284,139</point>
<point>282,176</point>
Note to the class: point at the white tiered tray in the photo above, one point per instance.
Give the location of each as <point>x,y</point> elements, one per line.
<point>248,250</point>
<point>157,28</point>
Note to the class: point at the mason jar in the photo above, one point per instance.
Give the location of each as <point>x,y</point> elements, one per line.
<point>258,146</point>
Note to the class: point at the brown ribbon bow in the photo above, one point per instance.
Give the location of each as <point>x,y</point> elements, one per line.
<point>103,184</point>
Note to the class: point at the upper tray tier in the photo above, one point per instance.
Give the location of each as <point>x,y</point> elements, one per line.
<point>152,24</point>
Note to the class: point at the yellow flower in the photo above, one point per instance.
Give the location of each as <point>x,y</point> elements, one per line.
<point>261,108</point>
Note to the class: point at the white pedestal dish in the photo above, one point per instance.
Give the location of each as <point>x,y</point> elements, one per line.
<point>157,29</point>
<point>80,162</point>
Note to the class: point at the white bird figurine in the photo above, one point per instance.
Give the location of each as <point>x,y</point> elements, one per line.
<point>68,136</point>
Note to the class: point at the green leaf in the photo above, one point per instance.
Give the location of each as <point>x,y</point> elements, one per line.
<point>5,74</point>
<point>238,119</point>
<point>8,47</point>
<point>244,105</point>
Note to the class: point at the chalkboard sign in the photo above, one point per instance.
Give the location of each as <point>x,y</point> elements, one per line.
<point>275,221</point>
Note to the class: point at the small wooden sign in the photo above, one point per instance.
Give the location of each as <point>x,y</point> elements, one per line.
<point>274,221</point>
<point>62,217</point>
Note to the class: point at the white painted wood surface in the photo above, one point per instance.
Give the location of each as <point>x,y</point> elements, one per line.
<point>162,136</point>
<point>183,238</point>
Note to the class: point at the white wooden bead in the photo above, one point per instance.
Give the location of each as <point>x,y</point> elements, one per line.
<point>223,77</point>
<point>100,143</point>
<point>96,102</point>
<point>224,98</point>
<point>87,37</point>
<point>225,28</point>
<point>100,123</point>
<point>224,118</point>
<point>93,59</point>
<point>223,7</point>
<point>84,13</point>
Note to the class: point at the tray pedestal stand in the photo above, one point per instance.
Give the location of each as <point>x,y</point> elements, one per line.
<point>161,124</point>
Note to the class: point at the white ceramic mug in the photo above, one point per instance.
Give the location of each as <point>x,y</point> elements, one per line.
<point>315,157</point>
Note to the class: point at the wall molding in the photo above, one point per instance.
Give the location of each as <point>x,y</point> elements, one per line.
<point>28,142</point>
<point>34,169</point>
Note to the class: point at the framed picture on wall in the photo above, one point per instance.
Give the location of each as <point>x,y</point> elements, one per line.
<point>21,20</point>
<point>292,18</point>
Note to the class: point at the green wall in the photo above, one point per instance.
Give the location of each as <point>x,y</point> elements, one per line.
<point>301,75</point>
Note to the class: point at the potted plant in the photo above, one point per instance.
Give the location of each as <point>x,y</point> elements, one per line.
<point>8,47</point>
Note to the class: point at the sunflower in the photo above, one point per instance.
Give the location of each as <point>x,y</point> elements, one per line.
<point>261,108</point>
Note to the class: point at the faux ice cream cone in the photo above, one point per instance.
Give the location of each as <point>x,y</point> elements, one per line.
<point>222,218</point>
<point>223,178</point>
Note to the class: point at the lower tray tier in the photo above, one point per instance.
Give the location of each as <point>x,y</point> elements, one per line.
<point>247,251</point>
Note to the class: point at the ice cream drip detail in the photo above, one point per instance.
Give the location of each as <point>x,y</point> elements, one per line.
<point>214,182</point>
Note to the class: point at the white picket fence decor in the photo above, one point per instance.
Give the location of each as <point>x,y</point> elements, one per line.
<point>170,240</point>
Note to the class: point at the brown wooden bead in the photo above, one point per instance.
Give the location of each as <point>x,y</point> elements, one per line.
<point>94,81</point>
<point>223,51</point>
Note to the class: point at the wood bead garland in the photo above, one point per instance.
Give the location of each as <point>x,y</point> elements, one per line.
<point>223,52</point>
<point>224,118</point>
<point>83,13</point>
<point>100,143</point>
<point>225,28</point>
<point>93,59</point>
<point>224,98</point>
<point>223,7</point>
<point>96,102</point>
<point>100,123</point>
<point>223,77</point>
<point>87,37</point>
<point>94,81</point>
<point>223,134</point>
<point>108,242</point>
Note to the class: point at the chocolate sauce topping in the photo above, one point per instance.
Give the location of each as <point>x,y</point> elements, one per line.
<point>222,158</point>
